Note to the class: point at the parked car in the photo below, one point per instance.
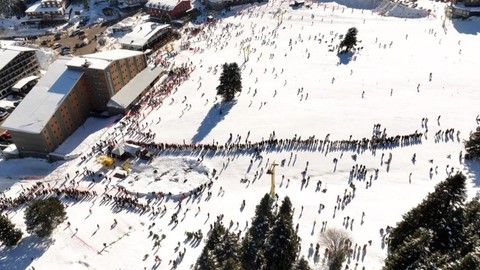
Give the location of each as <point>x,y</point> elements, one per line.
<point>74,33</point>
<point>4,115</point>
<point>56,46</point>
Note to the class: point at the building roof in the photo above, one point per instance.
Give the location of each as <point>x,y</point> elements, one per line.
<point>101,60</point>
<point>37,7</point>
<point>8,53</point>
<point>21,83</point>
<point>123,98</point>
<point>36,109</point>
<point>88,62</point>
<point>141,34</point>
<point>163,4</point>
<point>113,54</point>
<point>459,5</point>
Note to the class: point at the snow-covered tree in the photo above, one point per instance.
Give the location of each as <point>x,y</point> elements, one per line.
<point>282,247</point>
<point>440,231</point>
<point>253,244</point>
<point>222,250</point>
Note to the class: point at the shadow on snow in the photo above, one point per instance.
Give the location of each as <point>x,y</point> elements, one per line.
<point>345,57</point>
<point>24,254</point>
<point>216,114</point>
<point>471,27</point>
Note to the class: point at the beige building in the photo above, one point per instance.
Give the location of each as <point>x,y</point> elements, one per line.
<point>47,10</point>
<point>64,97</point>
<point>108,72</point>
<point>16,63</point>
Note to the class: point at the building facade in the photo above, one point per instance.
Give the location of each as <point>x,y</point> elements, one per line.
<point>16,63</point>
<point>174,8</point>
<point>47,10</point>
<point>64,97</point>
<point>463,8</point>
<point>223,4</point>
<point>145,36</point>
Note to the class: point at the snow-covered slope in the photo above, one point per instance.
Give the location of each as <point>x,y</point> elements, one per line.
<point>294,84</point>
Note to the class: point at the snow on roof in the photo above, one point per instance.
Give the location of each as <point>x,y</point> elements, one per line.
<point>37,7</point>
<point>21,83</point>
<point>163,4</point>
<point>101,60</point>
<point>33,113</point>
<point>91,62</point>
<point>113,54</point>
<point>142,33</point>
<point>126,95</point>
<point>8,53</point>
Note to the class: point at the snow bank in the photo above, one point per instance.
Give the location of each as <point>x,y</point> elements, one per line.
<point>392,9</point>
<point>45,57</point>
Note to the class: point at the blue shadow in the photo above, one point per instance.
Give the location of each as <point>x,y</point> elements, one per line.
<point>345,57</point>
<point>470,27</point>
<point>23,255</point>
<point>214,116</point>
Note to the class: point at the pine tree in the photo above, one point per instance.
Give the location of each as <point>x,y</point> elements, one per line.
<point>166,18</point>
<point>282,247</point>
<point>9,236</point>
<point>441,210</point>
<point>413,253</point>
<point>436,232</point>
<point>349,41</point>
<point>43,216</point>
<point>230,81</point>
<point>221,251</point>
<point>472,146</point>
<point>302,264</point>
<point>253,245</point>
<point>206,261</point>
<point>228,250</point>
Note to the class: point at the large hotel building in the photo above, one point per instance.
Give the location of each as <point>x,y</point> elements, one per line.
<point>64,97</point>
<point>16,63</point>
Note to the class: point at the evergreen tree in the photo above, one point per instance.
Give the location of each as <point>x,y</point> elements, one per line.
<point>470,261</point>
<point>206,261</point>
<point>337,242</point>
<point>230,81</point>
<point>441,211</point>
<point>282,247</point>
<point>166,18</point>
<point>349,41</point>
<point>9,236</point>
<point>472,146</point>
<point>302,264</point>
<point>232,264</point>
<point>253,244</point>
<point>412,253</point>
<point>437,231</point>
<point>221,251</point>
<point>43,216</point>
<point>228,250</point>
